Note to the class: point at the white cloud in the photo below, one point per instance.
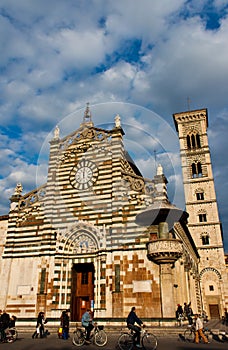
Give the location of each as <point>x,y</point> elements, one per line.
<point>57,55</point>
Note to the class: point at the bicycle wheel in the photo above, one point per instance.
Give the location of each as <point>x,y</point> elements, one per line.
<point>149,341</point>
<point>189,335</point>
<point>13,333</point>
<point>9,337</point>
<point>78,338</point>
<point>100,338</point>
<point>125,341</point>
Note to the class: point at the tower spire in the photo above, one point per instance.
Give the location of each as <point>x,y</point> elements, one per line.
<point>87,118</point>
<point>87,113</point>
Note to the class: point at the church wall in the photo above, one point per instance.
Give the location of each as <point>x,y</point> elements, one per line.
<point>26,288</point>
<point>21,282</point>
<point>139,284</point>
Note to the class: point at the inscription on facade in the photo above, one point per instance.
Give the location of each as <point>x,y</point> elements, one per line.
<point>142,286</point>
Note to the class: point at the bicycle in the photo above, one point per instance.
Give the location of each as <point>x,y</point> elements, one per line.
<point>11,335</point>
<point>189,333</point>
<point>148,340</point>
<point>98,336</point>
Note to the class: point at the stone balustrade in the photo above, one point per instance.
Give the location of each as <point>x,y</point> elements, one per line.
<point>164,250</point>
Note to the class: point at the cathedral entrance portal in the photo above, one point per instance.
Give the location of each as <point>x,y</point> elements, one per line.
<point>82,291</point>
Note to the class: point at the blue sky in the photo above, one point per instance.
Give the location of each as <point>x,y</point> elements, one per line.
<point>141,59</point>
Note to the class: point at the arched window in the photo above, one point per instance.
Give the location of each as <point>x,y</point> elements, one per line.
<point>200,195</point>
<point>202,217</point>
<point>196,170</point>
<point>205,239</point>
<point>199,169</point>
<point>198,141</point>
<point>188,142</point>
<point>193,141</point>
<point>194,173</point>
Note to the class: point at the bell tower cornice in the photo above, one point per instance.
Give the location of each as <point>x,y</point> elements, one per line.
<point>188,116</point>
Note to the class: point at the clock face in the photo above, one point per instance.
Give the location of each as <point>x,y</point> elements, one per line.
<point>84,175</point>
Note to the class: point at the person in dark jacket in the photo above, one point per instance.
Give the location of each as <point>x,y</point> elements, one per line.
<point>65,322</point>
<point>87,322</point>
<point>39,326</point>
<point>12,322</point>
<point>131,320</point>
<point>188,312</point>
<point>4,324</point>
<point>179,315</point>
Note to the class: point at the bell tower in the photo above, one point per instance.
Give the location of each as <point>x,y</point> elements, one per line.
<point>201,205</point>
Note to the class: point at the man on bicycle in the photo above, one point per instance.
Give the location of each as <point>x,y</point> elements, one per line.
<point>131,320</point>
<point>87,322</point>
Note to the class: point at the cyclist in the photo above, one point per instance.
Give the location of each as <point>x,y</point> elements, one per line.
<point>87,322</point>
<point>12,322</point>
<point>131,320</point>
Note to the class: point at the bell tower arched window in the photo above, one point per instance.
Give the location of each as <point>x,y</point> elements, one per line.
<point>200,195</point>
<point>196,170</point>
<point>193,141</point>
<point>194,173</point>
<point>205,239</point>
<point>198,141</point>
<point>199,169</point>
<point>202,217</point>
<point>188,142</point>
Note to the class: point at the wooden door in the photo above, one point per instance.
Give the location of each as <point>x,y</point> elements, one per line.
<point>214,311</point>
<point>82,289</point>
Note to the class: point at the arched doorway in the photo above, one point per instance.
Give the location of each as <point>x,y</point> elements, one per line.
<point>82,291</point>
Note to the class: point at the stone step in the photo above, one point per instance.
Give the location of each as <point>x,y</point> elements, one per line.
<point>158,331</point>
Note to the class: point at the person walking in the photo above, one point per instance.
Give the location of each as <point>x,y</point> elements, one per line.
<point>179,315</point>
<point>199,330</point>
<point>87,322</point>
<point>39,326</point>
<point>65,322</point>
<point>131,320</point>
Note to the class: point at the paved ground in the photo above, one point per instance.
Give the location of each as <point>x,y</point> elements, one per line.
<point>167,340</point>
<point>52,342</point>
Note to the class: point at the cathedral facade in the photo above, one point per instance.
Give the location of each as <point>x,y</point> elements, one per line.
<point>99,235</point>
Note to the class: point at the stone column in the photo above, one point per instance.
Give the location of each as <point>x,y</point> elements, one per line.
<point>165,252</point>
<point>167,296</point>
